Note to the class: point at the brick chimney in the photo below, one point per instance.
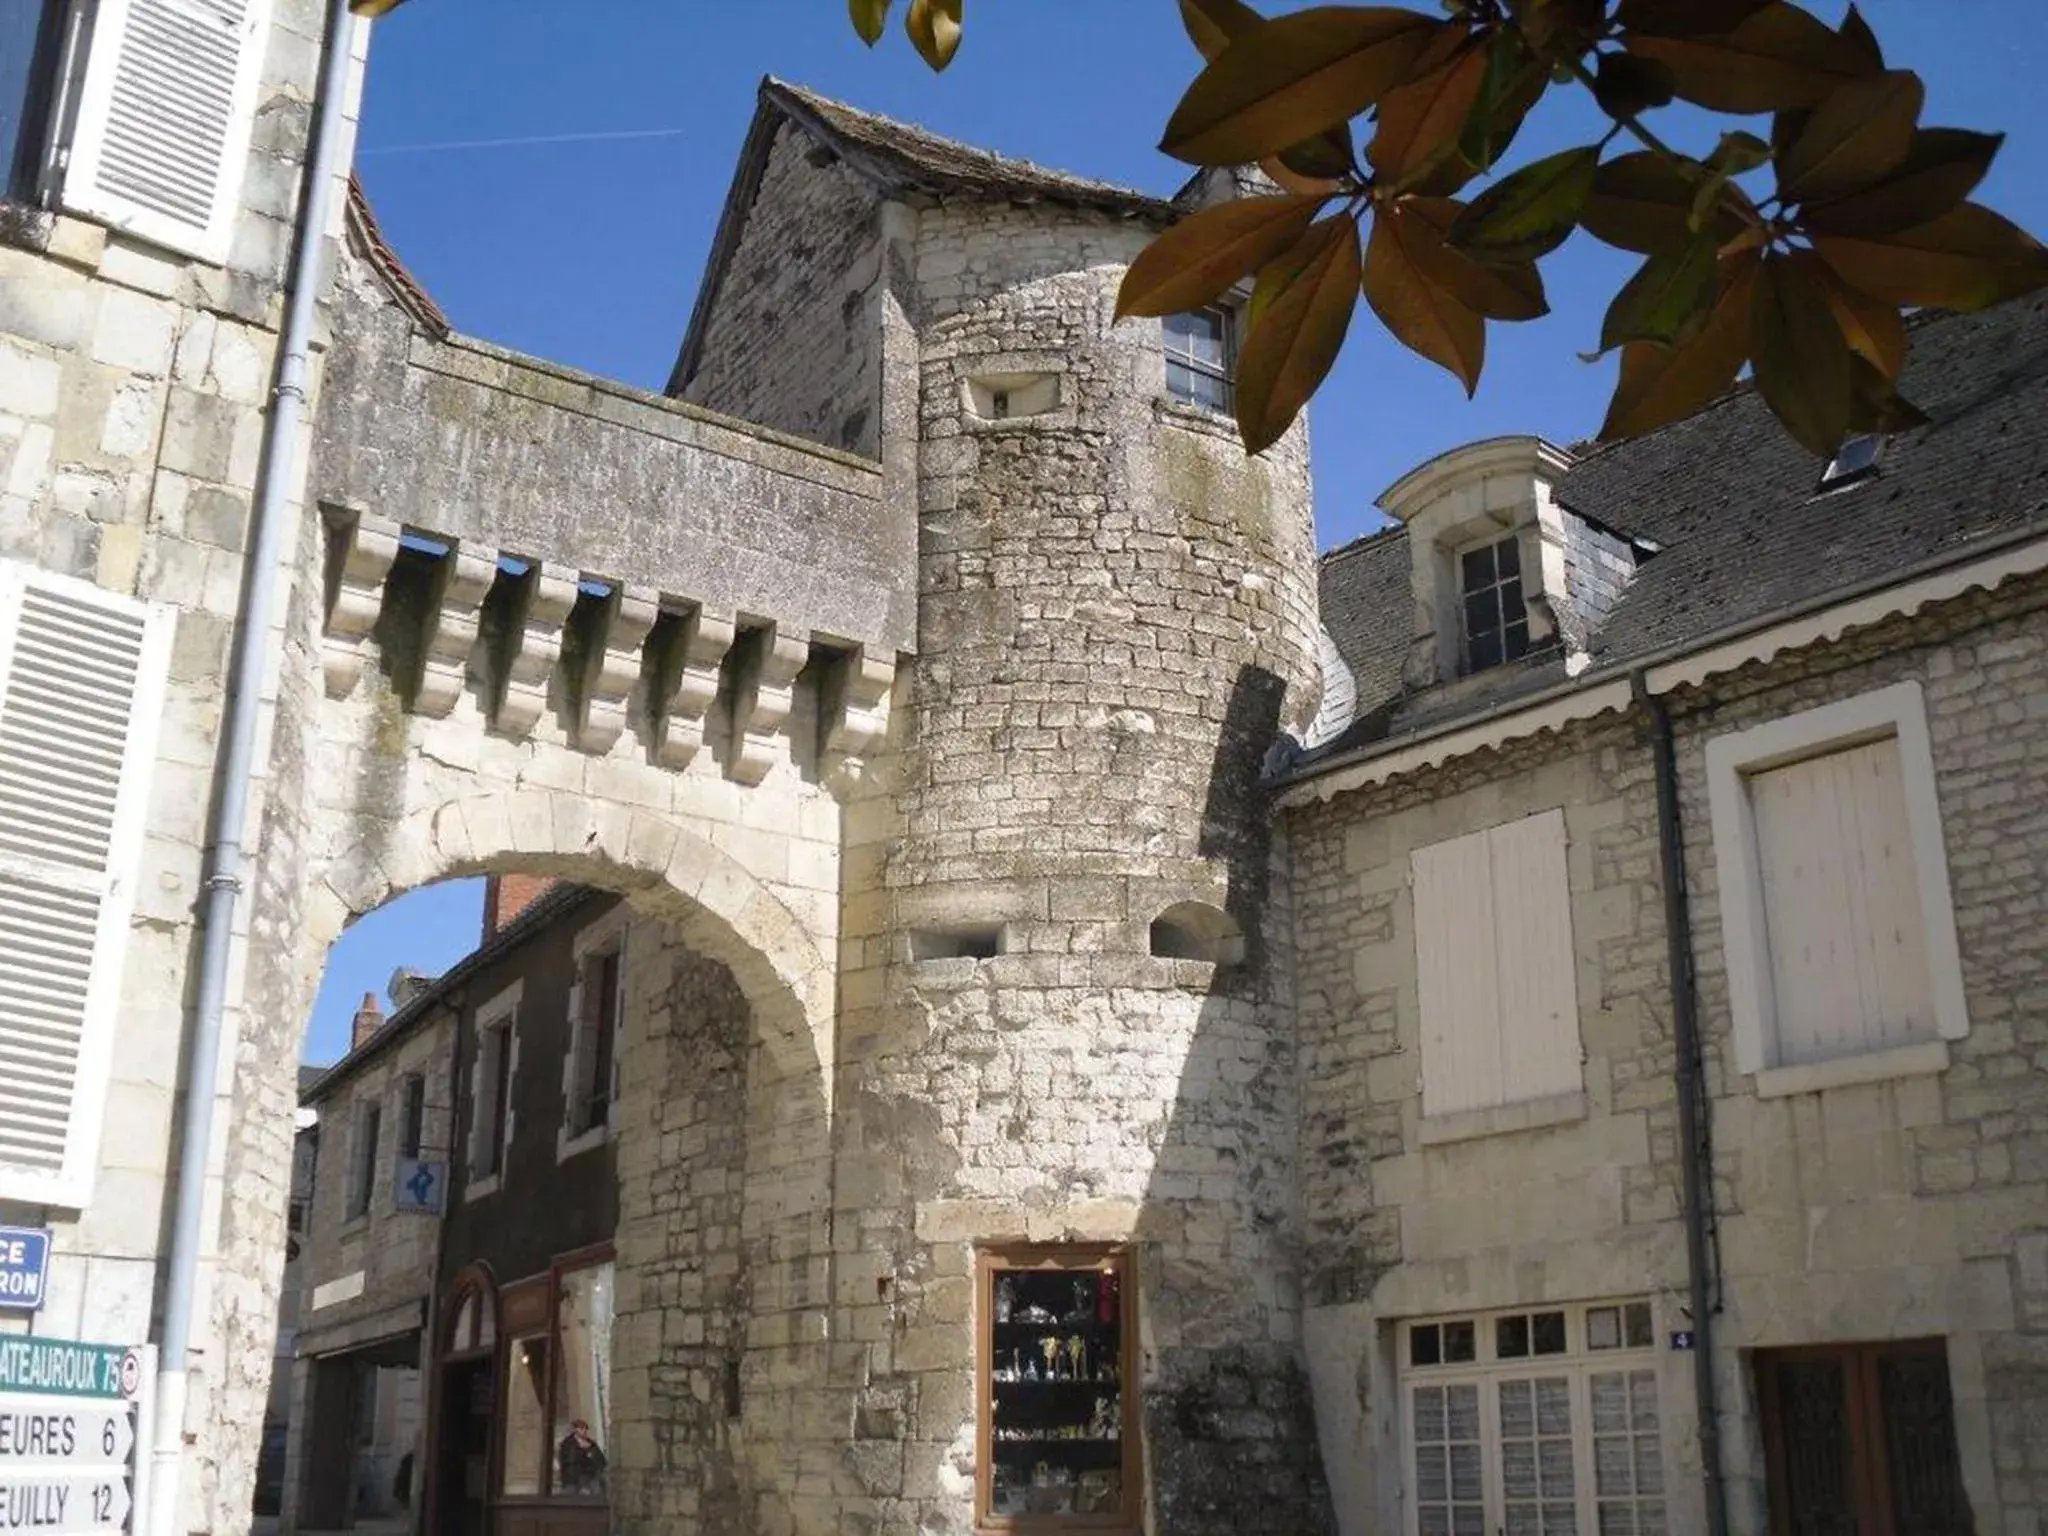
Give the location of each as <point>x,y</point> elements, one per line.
<point>369,1019</point>
<point>506,896</point>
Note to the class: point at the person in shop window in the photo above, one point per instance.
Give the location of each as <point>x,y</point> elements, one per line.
<point>579,1462</point>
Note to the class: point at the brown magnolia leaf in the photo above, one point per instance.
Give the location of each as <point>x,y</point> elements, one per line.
<point>1325,158</point>
<point>1297,332</point>
<point>1942,167</point>
<point>1561,29</point>
<point>1969,258</point>
<point>1424,316</point>
<point>1800,356</point>
<point>1856,32</point>
<point>1855,138</point>
<point>1419,123</point>
<point>869,18</point>
<point>1206,252</point>
<point>1875,405</point>
<point>1625,85</point>
<point>1685,18</point>
<point>1532,212</point>
<point>1779,56</point>
<point>1667,299</point>
<point>1508,291</point>
<point>1293,77</point>
<point>1661,384</point>
<point>1515,82</point>
<point>1874,329</point>
<point>934,28</point>
<point>1211,24</point>
<point>1643,202</point>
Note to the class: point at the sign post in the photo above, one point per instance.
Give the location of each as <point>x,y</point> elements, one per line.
<point>68,1433</point>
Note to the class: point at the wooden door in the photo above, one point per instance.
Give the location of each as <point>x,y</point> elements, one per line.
<point>1860,1441</point>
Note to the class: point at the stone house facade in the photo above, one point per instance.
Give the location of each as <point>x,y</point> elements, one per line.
<point>1075,1064</point>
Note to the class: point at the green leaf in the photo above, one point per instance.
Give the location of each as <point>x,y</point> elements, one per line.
<point>1802,360</point>
<point>1206,252</point>
<point>1298,331</point>
<point>1515,82</point>
<point>1293,77</point>
<point>1660,384</point>
<point>1532,212</point>
<point>1942,167</point>
<point>869,18</point>
<point>1969,258</point>
<point>934,28</point>
<point>1211,24</point>
<point>1779,56</point>
<point>1668,297</point>
<point>1852,140</point>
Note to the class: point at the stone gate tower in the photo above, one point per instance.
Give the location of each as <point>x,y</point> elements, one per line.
<point>1057,1024</point>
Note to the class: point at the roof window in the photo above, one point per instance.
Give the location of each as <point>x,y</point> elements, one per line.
<point>1855,460</point>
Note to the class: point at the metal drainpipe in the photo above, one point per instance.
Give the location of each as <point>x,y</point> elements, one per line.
<point>1692,1102</point>
<point>225,861</point>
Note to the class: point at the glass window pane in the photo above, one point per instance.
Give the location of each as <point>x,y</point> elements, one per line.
<point>1638,1324</point>
<point>1485,652</point>
<point>1548,1333</point>
<point>1649,1465</point>
<point>1425,1345</point>
<point>1554,1467</point>
<point>1465,1472</point>
<point>1513,611</point>
<point>1461,1342</point>
<point>1515,641</point>
<point>1560,1520</point>
<point>1427,1404</point>
<point>1617,1520</point>
<point>584,1383</point>
<point>1613,1473</point>
<point>22,52</point>
<point>1610,1403</point>
<point>526,1417</point>
<point>1462,1412</point>
<point>1511,1337</point>
<point>1482,613</point>
<point>1507,559</point>
<point>1553,1406</point>
<point>1477,568</point>
<point>1603,1328</point>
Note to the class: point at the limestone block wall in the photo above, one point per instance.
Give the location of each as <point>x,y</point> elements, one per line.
<point>132,386</point>
<point>1114,618</point>
<point>1898,1209</point>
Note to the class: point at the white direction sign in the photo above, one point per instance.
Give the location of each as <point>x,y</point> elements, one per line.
<point>49,1433</point>
<point>61,1501</point>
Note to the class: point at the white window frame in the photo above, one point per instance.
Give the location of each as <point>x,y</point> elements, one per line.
<point>1578,1363</point>
<point>606,936</point>
<point>1490,540</point>
<point>1898,712</point>
<point>1226,375</point>
<point>72,1187</point>
<point>500,1011</point>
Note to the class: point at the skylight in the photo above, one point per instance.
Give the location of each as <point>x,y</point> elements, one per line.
<point>1855,460</point>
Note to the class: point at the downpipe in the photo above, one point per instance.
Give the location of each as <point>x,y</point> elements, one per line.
<point>226,858</point>
<point>1696,1177</point>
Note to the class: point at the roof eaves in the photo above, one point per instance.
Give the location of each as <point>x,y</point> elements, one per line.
<point>405,289</point>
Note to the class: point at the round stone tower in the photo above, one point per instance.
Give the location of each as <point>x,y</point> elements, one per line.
<point>1064,1019</point>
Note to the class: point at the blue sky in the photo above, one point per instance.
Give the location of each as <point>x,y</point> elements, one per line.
<point>588,251</point>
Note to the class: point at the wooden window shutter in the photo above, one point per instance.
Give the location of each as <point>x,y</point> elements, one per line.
<point>1496,972</point>
<point>81,688</point>
<point>164,119</point>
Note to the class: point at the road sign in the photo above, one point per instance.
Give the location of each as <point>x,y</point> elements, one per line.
<point>24,1267</point>
<point>61,1368</point>
<point>63,1432</point>
<point>420,1185</point>
<point>60,1503</point>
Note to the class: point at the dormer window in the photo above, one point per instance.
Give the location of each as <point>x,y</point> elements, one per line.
<point>1201,357</point>
<point>1496,619</point>
<point>1855,460</point>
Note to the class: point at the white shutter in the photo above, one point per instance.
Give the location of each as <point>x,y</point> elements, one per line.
<point>81,688</point>
<point>1496,975</point>
<point>164,119</point>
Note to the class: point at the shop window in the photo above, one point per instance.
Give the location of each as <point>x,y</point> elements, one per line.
<point>1056,1361</point>
<point>526,1418</point>
<point>1541,1421</point>
<point>583,1383</point>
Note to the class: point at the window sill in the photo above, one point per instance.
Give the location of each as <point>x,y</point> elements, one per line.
<point>351,1225</point>
<point>1503,1119</point>
<point>1920,1060</point>
<point>567,1146</point>
<point>1061,418</point>
<point>481,1187</point>
<point>1198,418</point>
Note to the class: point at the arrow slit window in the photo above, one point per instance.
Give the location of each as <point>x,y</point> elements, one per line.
<point>1056,1368</point>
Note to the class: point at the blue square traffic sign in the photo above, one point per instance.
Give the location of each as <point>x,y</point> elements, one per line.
<point>24,1267</point>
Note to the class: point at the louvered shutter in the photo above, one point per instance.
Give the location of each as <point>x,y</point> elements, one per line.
<point>164,118</point>
<point>81,688</point>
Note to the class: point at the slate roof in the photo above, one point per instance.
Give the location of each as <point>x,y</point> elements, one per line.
<point>1744,534</point>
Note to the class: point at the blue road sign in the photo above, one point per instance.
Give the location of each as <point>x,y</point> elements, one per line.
<point>419,1186</point>
<point>1682,1339</point>
<point>24,1267</point>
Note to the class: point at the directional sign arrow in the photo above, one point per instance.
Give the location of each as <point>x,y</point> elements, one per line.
<point>48,1433</point>
<point>62,1501</point>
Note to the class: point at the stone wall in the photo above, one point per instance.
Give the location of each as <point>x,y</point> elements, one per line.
<point>1896,1209</point>
<point>788,338</point>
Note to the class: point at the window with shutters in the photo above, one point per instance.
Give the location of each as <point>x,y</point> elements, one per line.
<point>590,1065</point>
<point>81,690</point>
<point>362,1168</point>
<point>1496,976</point>
<point>164,117</point>
<point>493,1066</point>
<point>1541,1422</point>
<point>1841,944</point>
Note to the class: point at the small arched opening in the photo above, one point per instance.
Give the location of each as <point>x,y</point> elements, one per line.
<point>1197,930</point>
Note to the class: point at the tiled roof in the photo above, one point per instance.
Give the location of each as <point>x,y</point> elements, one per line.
<point>404,287</point>
<point>911,159</point>
<point>1744,533</point>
